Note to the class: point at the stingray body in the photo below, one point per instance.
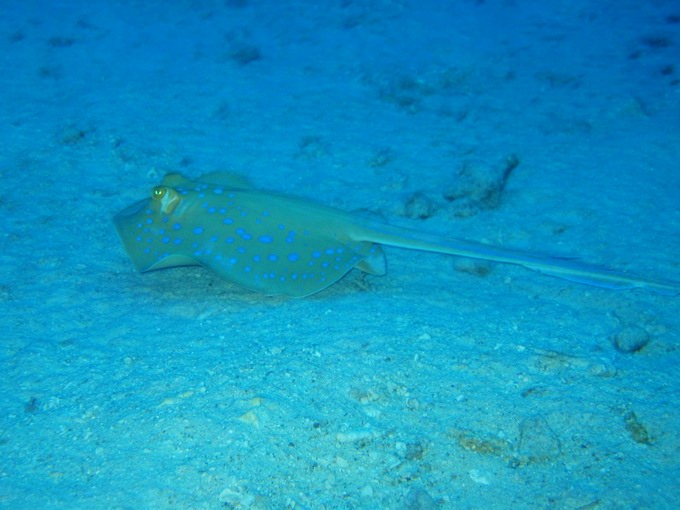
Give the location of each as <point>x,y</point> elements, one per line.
<point>278,244</point>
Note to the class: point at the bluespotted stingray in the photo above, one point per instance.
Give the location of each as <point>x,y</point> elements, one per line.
<point>279,244</point>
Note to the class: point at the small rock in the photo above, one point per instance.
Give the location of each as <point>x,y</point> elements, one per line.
<point>412,404</point>
<point>418,206</point>
<point>381,158</point>
<point>471,266</point>
<point>32,406</point>
<point>236,498</point>
<point>478,477</point>
<point>479,185</point>
<point>636,429</point>
<point>630,339</point>
<point>250,418</point>
<point>414,451</point>
<point>604,370</point>
<point>419,499</point>
<point>355,436</point>
<point>537,441</point>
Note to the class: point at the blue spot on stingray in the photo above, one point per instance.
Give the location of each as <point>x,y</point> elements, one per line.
<point>149,221</point>
<point>165,240</point>
<point>176,226</point>
<point>244,235</point>
<point>330,251</point>
<point>293,257</point>
<point>316,254</point>
<point>266,239</point>
<point>165,219</point>
<point>256,258</point>
<point>212,209</point>
<point>218,191</point>
<point>233,260</point>
<point>227,221</point>
<point>229,240</point>
<point>198,230</point>
<point>273,258</point>
<point>177,241</point>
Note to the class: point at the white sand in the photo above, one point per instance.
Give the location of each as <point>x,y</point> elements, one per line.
<point>426,388</point>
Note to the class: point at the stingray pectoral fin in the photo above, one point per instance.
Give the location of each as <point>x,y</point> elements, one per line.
<point>173,260</point>
<point>127,224</point>
<point>175,180</point>
<point>374,263</point>
<point>143,244</point>
<point>292,282</point>
<point>290,274</point>
<point>227,179</point>
<point>143,258</point>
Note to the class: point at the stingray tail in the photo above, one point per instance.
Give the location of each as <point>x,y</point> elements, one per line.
<point>560,267</point>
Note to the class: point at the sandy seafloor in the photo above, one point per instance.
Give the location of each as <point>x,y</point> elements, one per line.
<point>442,384</point>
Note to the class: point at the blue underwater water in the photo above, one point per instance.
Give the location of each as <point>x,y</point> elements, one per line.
<point>550,128</point>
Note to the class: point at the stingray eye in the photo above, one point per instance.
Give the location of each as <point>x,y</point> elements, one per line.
<point>168,199</point>
<point>158,192</point>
